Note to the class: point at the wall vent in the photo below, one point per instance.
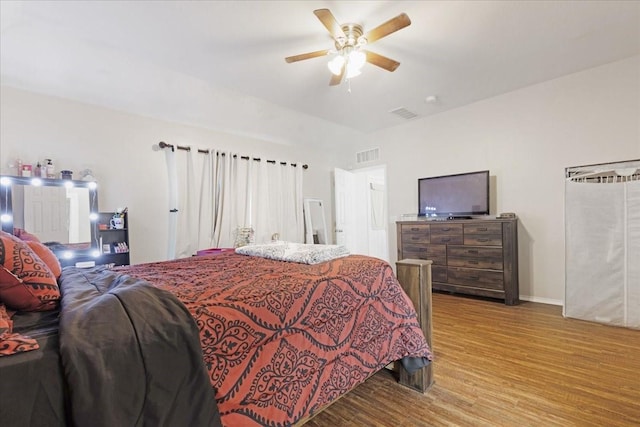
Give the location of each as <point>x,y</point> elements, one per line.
<point>404,113</point>
<point>368,156</point>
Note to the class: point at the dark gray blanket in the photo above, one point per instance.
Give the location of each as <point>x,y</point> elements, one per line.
<point>131,354</point>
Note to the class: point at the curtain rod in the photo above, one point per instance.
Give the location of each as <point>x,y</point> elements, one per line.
<point>621,162</point>
<point>621,171</point>
<point>164,145</point>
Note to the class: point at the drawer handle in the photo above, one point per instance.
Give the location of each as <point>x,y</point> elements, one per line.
<point>472,251</point>
<point>483,240</point>
<point>447,239</point>
<point>476,278</point>
<point>482,229</point>
<point>446,229</point>
<point>473,262</point>
<point>415,238</point>
<point>415,229</point>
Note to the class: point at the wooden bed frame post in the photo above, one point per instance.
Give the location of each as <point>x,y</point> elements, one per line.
<point>414,276</point>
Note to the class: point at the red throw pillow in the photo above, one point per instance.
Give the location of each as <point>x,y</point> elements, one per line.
<point>47,256</point>
<point>35,278</point>
<point>15,294</point>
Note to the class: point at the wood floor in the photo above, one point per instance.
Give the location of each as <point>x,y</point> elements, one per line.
<point>495,365</point>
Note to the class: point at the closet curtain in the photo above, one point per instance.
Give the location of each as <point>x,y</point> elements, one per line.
<point>215,194</point>
<point>602,225</point>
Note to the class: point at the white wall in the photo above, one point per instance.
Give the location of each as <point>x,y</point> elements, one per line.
<point>117,147</point>
<point>525,138</point>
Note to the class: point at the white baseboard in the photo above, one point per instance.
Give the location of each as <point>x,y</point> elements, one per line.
<point>542,300</point>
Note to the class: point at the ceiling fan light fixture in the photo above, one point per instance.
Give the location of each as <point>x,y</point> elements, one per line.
<point>336,64</point>
<point>352,72</point>
<point>357,58</point>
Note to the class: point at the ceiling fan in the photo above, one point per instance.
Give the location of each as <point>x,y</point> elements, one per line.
<point>350,40</point>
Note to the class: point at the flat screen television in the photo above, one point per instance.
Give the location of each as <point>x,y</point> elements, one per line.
<point>459,195</point>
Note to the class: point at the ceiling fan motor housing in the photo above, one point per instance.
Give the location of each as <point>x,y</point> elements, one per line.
<point>353,37</point>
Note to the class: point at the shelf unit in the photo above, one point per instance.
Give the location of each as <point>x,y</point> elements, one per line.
<point>113,243</point>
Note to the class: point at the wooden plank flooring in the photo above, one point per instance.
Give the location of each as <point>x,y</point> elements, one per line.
<point>495,365</point>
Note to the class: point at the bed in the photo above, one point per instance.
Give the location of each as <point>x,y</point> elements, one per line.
<point>224,339</point>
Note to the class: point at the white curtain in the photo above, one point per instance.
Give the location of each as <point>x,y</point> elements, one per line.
<point>231,193</point>
<point>278,211</point>
<point>220,196</point>
<point>170,157</point>
<point>602,225</point>
<point>206,214</point>
<point>187,227</point>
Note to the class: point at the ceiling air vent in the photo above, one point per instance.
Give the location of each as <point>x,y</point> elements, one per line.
<point>368,156</point>
<point>404,113</point>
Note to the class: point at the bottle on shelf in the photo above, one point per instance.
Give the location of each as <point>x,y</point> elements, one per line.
<point>26,170</point>
<point>51,171</point>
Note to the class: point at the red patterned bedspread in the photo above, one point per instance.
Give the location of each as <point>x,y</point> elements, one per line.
<point>281,340</point>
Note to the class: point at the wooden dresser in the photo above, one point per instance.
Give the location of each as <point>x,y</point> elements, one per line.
<point>470,256</point>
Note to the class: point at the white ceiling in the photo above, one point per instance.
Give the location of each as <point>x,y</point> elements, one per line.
<point>209,62</point>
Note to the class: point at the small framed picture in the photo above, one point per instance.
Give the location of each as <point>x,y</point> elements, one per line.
<point>106,248</point>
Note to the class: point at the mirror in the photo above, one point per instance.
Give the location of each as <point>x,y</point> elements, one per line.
<point>314,222</point>
<point>57,212</point>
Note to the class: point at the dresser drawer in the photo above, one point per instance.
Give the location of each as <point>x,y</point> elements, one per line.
<point>483,239</point>
<point>414,251</point>
<point>439,273</point>
<point>415,233</point>
<point>417,238</point>
<point>488,234</point>
<point>446,229</point>
<point>447,239</point>
<point>438,254</point>
<point>475,257</point>
<point>446,234</point>
<point>476,278</point>
<point>479,228</point>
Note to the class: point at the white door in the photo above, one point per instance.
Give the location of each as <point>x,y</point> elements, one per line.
<point>345,209</point>
<point>360,222</point>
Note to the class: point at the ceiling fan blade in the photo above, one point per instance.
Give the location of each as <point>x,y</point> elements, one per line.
<point>336,80</point>
<point>391,26</point>
<point>329,21</point>
<point>381,61</point>
<point>309,55</point>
